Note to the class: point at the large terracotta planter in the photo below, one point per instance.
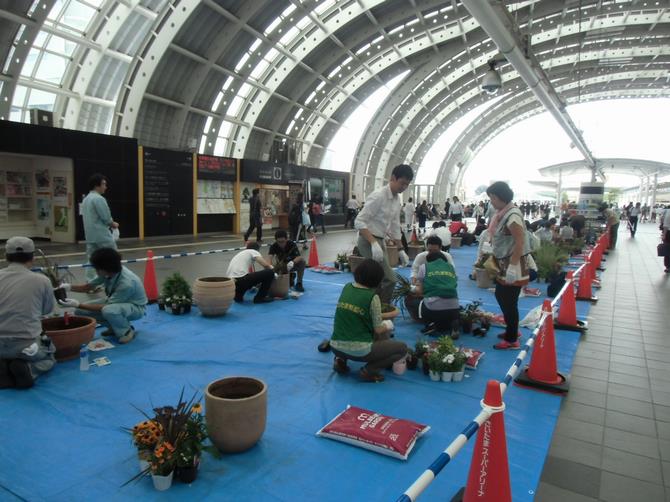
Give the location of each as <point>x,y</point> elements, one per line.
<point>392,253</point>
<point>235,412</point>
<point>414,249</point>
<point>213,295</point>
<point>354,262</point>
<point>68,339</point>
<point>279,286</point>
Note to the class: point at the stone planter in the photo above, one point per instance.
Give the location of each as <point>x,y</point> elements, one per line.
<point>279,286</point>
<point>483,278</point>
<point>456,242</point>
<point>414,249</point>
<point>69,339</point>
<point>354,262</point>
<point>235,412</point>
<point>213,295</point>
<point>392,253</point>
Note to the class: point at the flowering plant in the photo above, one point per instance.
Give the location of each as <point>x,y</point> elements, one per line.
<point>192,442</point>
<point>145,437</point>
<point>162,460</point>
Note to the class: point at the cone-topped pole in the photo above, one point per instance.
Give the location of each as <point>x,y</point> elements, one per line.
<point>150,285</point>
<point>313,259</point>
<point>567,314</point>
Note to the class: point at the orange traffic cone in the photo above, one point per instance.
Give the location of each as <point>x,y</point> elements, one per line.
<point>414,238</point>
<point>313,259</point>
<point>150,285</point>
<point>542,372</point>
<point>584,292</point>
<point>488,480</point>
<point>567,314</point>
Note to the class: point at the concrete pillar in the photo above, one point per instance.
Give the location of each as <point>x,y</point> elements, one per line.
<point>559,189</point>
<point>654,188</point>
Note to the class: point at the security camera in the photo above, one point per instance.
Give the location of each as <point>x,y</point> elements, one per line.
<point>491,83</point>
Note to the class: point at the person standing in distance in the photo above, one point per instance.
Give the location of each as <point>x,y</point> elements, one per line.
<point>352,211</point>
<point>381,217</point>
<point>255,220</point>
<point>98,222</point>
<point>409,210</point>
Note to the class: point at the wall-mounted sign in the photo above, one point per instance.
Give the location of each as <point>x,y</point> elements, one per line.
<point>217,168</point>
<point>266,172</point>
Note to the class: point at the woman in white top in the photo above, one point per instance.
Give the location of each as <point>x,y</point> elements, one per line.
<point>456,210</point>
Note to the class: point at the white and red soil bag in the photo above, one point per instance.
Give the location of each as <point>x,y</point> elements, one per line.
<point>373,431</point>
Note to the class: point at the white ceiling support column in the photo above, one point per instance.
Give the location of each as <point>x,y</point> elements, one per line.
<point>496,21</point>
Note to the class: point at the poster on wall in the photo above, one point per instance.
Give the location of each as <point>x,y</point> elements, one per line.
<point>60,190</point>
<point>245,195</point>
<point>60,218</point>
<point>43,206</point>
<point>42,181</point>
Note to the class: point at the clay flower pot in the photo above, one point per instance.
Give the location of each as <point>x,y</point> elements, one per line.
<point>235,412</point>
<point>414,249</point>
<point>213,295</point>
<point>69,339</point>
<point>279,286</point>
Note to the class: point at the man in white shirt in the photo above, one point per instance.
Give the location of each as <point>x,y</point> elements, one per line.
<point>409,211</point>
<point>456,210</point>
<point>25,296</point>
<point>440,230</point>
<point>239,267</point>
<point>352,211</point>
<point>381,217</point>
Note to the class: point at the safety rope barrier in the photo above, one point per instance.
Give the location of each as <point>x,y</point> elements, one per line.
<point>422,482</point>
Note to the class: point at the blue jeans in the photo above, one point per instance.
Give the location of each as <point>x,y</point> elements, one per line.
<point>116,315</point>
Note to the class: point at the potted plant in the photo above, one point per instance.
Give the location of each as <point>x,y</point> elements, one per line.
<point>436,365</point>
<point>457,365</point>
<point>549,259</point>
<point>145,438</point>
<point>177,294</point>
<point>422,351</point>
<point>189,448</point>
<point>342,262</point>
<point>162,463</point>
<point>403,295</point>
<point>414,247</point>
<point>412,360</point>
<point>55,277</point>
<point>469,315</point>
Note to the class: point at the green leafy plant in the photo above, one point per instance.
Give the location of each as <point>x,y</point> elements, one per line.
<point>549,259</point>
<point>51,270</point>
<point>471,312</point>
<point>176,290</point>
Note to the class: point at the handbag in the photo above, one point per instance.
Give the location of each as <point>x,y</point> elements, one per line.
<point>663,249</point>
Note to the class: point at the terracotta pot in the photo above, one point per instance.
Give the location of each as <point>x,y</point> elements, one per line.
<point>354,262</point>
<point>213,295</point>
<point>279,286</point>
<point>392,253</point>
<point>414,249</point>
<point>392,314</point>
<point>69,339</point>
<point>235,412</point>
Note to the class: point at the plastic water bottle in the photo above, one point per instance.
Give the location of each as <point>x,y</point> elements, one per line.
<point>83,357</point>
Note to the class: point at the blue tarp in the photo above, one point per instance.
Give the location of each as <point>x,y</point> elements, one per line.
<point>62,440</point>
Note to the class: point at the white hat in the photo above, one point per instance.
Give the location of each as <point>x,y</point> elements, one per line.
<point>19,245</point>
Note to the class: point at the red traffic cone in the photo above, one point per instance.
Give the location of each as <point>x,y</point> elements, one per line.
<point>150,285</point>
<point>542,372</point>
<point>414,238</point>
<point>313,259</point>
<point>488,480</point>
<point>567,314</point>
<point>584,292</point>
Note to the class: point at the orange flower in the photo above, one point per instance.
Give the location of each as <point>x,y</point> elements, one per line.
<point>196,408</point>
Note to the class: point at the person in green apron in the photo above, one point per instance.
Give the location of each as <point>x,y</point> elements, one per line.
<point>437,281</point>
<point>359,333</point>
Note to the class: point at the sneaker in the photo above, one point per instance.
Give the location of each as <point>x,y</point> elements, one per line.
<point>267,299</point>
<point>324,346</point>
<point>128,337</point>
<point>429,328</point>
<point>505,345</point>
<point>6,378</point>
<point>20,370</point>
<point>299,288</point>
<point>340,366</point>
<point>370,377</point>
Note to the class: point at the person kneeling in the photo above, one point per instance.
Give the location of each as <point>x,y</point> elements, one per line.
<point>286,259</point>
<point>238,269</point>
<point>25,352</point>
<point>125,297</point>
<point>437,282</point>
<point>359,333</point>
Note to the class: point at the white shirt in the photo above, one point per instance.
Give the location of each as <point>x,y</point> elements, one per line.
<point>456,208</point>
<point>409,212</point>
<point>381,214</point>
<point>239,265</point>
<point>352,204</point>
<point>635,211</point>
<point>443,233</point>
<point>25,296</point>
<point>421,260</point>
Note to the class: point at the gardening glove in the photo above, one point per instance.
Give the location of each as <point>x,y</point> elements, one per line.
<point>65,286</point>
<point>513,273</point>
<point>276,275</point>
<point>290,265</point>
<point>404,259</point>
<point>30,350</point>
<point>69,302</point>
<point>388,324</point>
<point>412,288</point>
<point>377,252</point>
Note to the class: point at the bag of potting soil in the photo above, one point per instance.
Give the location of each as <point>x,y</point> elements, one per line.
<point>373,431</point>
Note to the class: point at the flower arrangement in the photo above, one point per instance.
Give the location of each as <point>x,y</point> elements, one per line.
<point>442,356</point>
<point>342,261</point>
<point>145,438</point>
<point>192,443</point>
<point>162,460</point>
<point>176,294</point>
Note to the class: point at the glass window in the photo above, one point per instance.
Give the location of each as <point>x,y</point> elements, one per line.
<point>333,195</point>
<point>51,68</point>
<point>315,188</point>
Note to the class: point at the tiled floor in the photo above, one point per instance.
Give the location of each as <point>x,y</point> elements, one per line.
<point>612,440</point>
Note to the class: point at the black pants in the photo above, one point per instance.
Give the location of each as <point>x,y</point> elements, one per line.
<point>666,258</point>
<point>508,299</point>
<point>258,225</point>
<point>351,217</point>
<point>298,271</point>
<point>457,217</point>
<point>264,278</point>
<point>295,230</point>
<point>632,221</point>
